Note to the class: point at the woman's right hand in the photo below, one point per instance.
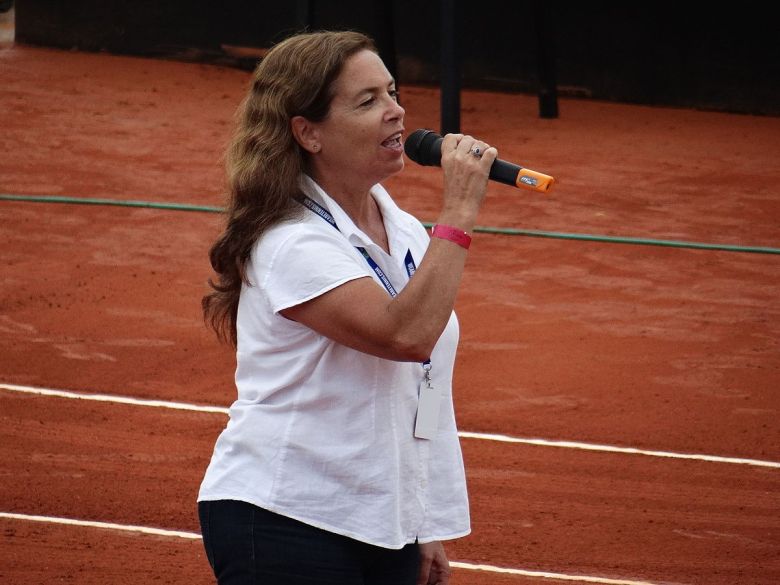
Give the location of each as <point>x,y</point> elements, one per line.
<point>465,178</point>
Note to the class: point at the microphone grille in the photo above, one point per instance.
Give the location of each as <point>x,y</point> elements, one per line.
<point>424,147</point>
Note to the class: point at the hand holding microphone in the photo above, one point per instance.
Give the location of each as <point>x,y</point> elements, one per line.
<point>466,164</point>
<point>424,147</point>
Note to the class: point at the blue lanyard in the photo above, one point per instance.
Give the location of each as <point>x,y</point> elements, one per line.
<point>411,267</point>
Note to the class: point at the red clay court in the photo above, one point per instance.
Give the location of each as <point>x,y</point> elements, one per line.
<point>625,394</point>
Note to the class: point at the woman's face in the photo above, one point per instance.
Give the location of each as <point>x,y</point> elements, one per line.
<point>360,139</point>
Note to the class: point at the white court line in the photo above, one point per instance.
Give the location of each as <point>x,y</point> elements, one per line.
<point>109,525</point>
<point>196,536</point>
<point>462,434</point>
<point>625,450</point>
<point>546,575</point>
<point>113,398</point>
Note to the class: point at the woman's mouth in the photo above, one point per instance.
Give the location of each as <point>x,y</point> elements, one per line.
<point>393,142</point>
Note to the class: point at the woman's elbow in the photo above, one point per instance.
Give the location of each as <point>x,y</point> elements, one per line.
<point>415,348</point>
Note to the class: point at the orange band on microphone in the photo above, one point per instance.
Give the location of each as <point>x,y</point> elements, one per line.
<point>446,232</point>
<point>533,180</point>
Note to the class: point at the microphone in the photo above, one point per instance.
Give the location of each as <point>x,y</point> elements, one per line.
<point>424,148</point>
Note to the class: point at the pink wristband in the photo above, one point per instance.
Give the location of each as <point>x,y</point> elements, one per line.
<point>446,232</point>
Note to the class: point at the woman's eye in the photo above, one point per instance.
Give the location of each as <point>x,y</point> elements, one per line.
<point>393,93</point>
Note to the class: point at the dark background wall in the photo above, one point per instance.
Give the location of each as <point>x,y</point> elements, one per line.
<point>688,54</point>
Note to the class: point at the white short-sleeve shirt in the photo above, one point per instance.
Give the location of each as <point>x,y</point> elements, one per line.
<point>323,433</point>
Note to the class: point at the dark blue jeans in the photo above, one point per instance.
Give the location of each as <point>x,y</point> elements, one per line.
<point>247,545</point>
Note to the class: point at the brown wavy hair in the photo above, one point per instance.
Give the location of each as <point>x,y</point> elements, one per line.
<point>264,162</point>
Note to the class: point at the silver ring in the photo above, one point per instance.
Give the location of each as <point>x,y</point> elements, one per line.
<point>476,151</point>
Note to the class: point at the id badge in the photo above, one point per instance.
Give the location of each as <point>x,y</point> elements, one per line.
<point>427,423</point>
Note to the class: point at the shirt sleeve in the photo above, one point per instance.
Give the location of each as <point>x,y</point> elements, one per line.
<point>306,264</point>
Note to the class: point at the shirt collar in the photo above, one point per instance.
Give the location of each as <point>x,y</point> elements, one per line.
<point>394,222</point>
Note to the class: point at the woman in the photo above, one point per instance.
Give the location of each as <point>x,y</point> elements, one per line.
<point>340,463</point>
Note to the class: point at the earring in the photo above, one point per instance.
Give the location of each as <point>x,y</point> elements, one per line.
<point>315,147</point>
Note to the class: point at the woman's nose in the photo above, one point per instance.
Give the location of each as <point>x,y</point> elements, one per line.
<point>395,111</point>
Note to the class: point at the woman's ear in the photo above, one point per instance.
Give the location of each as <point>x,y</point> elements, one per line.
<point>306,134</point>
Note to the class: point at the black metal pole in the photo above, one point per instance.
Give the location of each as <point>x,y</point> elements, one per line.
<point>304,14</point>
<point>545,59</point>
<point>450,67</point>
<point>384,25</point>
